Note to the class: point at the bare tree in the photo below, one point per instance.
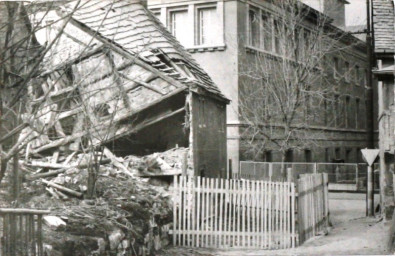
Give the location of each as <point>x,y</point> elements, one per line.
<point>290,84</point>
<point>38,88</point>
<point>20,62</point>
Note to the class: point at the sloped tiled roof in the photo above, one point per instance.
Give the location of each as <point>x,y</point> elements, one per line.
<point>383,22</point>
<point>135,29</point>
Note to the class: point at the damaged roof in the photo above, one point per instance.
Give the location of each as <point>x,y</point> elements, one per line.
<point>383,24</point>
<point>131,27</point>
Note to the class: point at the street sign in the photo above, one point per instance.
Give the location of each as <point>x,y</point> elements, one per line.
<point>370,155</point>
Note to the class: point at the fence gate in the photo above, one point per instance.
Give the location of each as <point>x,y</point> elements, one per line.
<point>21,232</point>
<point>313,207</point>
<point>221,213</point>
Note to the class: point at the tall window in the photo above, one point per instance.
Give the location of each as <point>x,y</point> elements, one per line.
<point>347,71</point>
<point>268,156</point>
<point>267,32</point>
<point>207,23</point>
<point>253,20</point>
<point>337,153</point>
<point>177,21</point>
<point>336,67</point>
<point>356,77</point>
<point>337,110</point>
<point>327,155</point>
<point>346,112</point>
<point>306,42</point>
<point>308,158</point>
<point>277,36</point>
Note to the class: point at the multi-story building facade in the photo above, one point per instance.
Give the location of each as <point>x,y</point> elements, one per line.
<point>224,38</point>
<point>384,51</point>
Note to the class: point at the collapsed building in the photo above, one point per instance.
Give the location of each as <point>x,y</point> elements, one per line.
<point>116,77</point>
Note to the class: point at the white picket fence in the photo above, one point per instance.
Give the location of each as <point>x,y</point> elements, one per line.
<point>221,213</point>
<point>313,211</point>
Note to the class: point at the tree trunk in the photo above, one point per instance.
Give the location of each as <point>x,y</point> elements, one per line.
<point>283,165</point>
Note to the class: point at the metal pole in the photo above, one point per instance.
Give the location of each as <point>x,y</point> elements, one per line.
<point>370,193</point>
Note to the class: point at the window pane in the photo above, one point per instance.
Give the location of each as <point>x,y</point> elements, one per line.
<point>277,35</point>
<point>266,32</point>
<point>207,26</point>
<point>253,27</point>
<point>178,21</point>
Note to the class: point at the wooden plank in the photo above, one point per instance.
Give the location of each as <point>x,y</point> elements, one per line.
<point>243,203</point>
<point>238,202</point>
<point>293,222</point>
<point>39,236</point>
<point>175,220</point>
<point>265,214</point>
<point>182,213</point>
<point>257,213</point>
<point>235,206</point>
<point>197,213</point>
<point>270,220</point>
<point>227,197</point>
<point>248,199</point>
<point>221,206</point>
<point>216,194</point>
<point>282,210</point>
<point>188,210</point>
<point>207,185</point>
<point>212,211</point>
<point>33,234</point>
<point>253,208</point>
<point>22,211</point>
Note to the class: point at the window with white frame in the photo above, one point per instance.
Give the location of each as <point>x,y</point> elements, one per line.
<point>177,20</point>
<point>206,25</point>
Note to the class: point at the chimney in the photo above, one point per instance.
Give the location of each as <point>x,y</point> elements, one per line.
<point>142,2</point>
<point>336,9</point>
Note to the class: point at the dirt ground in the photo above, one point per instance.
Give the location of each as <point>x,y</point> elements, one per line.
<point>352,234</point>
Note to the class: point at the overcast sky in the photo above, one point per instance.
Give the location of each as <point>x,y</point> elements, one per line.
<point>356,12</point>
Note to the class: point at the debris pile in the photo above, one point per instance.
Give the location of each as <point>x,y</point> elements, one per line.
<point>130,215</point>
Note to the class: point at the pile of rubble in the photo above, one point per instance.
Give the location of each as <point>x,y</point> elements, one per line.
<point>131,213</point>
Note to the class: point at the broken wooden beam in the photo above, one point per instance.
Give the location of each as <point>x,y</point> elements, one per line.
<point>23,211</point>
<point>60,142</point>
<point>116,162</point>
<point>62,170</point>
<point>49,165</point>
<point>62,188</point>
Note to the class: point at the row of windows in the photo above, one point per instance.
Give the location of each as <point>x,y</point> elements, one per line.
<point>351,155</point>
<point>345,113</point>
<point>266,32</point>
<point>350,74</point>
<point>203,21</point>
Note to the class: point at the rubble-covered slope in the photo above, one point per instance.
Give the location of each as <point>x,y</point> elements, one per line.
<point>130,215</point>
